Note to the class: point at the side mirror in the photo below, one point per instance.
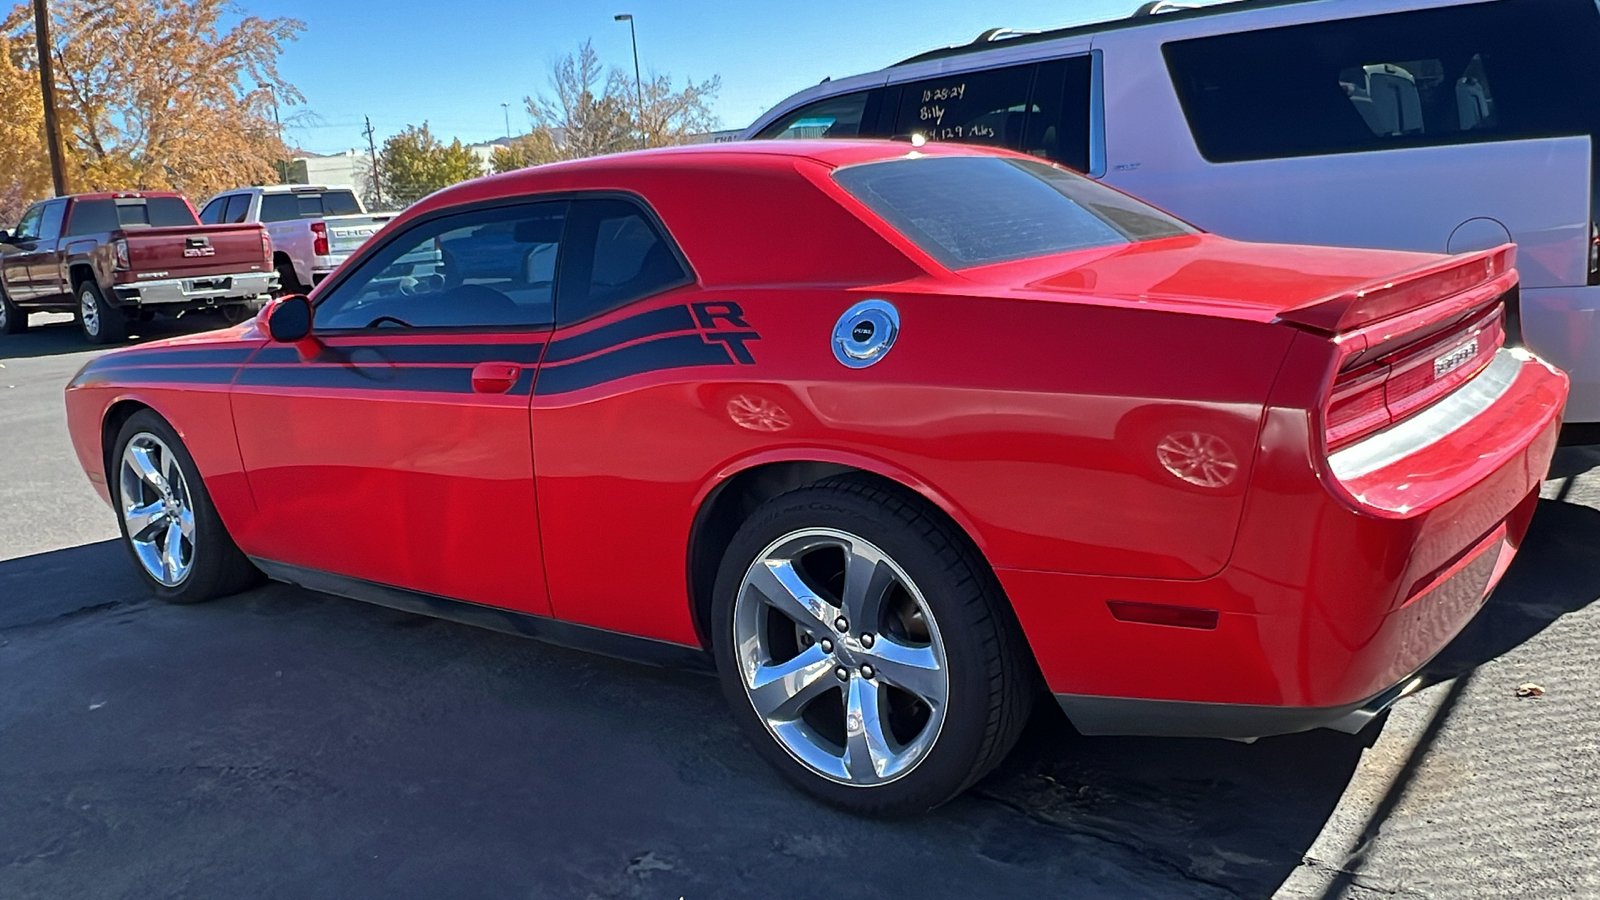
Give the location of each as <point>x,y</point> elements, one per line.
<point>290,320</point>
<point>5,236</point>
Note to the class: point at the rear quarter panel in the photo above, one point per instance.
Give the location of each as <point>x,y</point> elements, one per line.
<point>1033,423</point>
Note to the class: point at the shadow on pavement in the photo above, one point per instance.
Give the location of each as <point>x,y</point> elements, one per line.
<point>1556,572</point>
<point>46,586</point>
<point>57,336</point>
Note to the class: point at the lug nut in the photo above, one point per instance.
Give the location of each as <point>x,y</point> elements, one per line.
<point>807,640</point>
<point>842,624</point>
<point>866,671</point>
<point>843,673</point>
<point>827,646</point>
<point>867,640</point>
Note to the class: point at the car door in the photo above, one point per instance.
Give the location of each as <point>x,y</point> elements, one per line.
<point>607,415</point>
<point>394,446</point>
<point>14,260</point>
<point>45,276</point>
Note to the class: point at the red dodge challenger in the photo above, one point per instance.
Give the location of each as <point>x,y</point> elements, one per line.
<point>895,435</point>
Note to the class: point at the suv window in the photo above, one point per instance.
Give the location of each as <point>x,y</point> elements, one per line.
<point>989,107</point>
<point>93,217</point>
<point>491,268</point>
<point>975,210</point>
<point>615,254</point>
<point>212,214</point>
<point>835,117</point>
<point>1459,74</point>
<point>50,222</point>
<point>238,209</point>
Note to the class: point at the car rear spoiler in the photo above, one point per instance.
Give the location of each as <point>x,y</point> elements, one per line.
<point>1481,276</point>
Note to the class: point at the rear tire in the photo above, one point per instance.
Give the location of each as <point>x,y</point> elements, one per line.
<point>936,684</point>
<point>12,319</point>
<point>101,323</point>
<point>288,282</point>
<point>169,526</point>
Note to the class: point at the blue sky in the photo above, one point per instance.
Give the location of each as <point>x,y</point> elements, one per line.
<point>453,64</point>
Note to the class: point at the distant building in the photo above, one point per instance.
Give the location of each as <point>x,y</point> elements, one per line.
<point>714,137</point>
<point>352,167</point>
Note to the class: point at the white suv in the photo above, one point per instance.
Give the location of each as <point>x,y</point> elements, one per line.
<point>314,228</point>
<point>1433,125</point>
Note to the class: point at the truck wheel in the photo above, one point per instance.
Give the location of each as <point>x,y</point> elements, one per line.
<point>12,319</point>
<point>169,527</point>
<point>288,281</point>
<point>102,323</point>
<point>866,650</point>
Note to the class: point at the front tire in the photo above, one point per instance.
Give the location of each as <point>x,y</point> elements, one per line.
<point>288,281</point>
<point>866,649</point>
<point>169,526</point>
<point>101,323</point>
<point>12,319</point>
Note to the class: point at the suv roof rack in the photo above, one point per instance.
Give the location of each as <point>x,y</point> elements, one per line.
<point>1150,13</point>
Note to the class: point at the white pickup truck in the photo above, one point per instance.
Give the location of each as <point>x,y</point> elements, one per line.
<point>313,228</point>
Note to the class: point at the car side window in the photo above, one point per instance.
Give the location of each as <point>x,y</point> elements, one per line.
<point>28,225</point>
<point>615,254</point>
<point>50,222</point>
<point>279,207</point>
<point>490,268</point>
<point>987,107</point>
<point>212,214</point>
<point>835,117</point>
<point>238,209</point>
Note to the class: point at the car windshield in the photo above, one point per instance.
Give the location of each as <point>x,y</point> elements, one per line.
<point>975,210</point>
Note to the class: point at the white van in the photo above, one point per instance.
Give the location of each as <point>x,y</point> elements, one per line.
<point>1435,125</point>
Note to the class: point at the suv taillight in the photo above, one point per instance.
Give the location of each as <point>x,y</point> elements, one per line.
<point>119,253</point>
<point>1399,384</point>
<point>319,243</point>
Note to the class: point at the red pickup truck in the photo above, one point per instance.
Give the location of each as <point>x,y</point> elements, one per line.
<point>112,258</point>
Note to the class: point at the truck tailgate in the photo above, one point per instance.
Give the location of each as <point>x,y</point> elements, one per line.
<point>194,250</point>
<point>346,234</point>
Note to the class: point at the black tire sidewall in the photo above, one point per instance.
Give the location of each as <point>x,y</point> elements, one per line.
<point>217,560</point>
<point>16,319</point>
<point>958,750</point>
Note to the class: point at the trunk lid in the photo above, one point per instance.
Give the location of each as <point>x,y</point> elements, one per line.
<point>193,251</point>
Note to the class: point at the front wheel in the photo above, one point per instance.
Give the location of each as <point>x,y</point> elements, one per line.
<point>866,650</point>
<point>101,323</point>
<point>12,319</point>
<point>169,527</point>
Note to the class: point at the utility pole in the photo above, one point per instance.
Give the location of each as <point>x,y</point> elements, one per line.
<point>638,84</point>
<point>47,84</point>
<point>506,108</point>
<point>372,148</point>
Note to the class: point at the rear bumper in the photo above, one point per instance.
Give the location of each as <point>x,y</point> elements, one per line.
<point>1337,592</point>
<point>206,291</point>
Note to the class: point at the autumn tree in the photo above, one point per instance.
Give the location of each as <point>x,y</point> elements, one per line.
<point>24,168</point>
<point>591,111</point>
<point>414,164</point>
<point>177,94</point>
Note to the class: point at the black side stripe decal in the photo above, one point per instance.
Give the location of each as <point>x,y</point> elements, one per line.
<point>401,354</point>
<point>676,352</point>
<point>212,356</point>
<point>218,375</point>
<point>665,320</point>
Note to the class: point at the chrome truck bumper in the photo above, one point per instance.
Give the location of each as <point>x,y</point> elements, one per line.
<point>210,290</point>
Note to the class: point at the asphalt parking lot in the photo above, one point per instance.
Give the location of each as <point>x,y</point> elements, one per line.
<point>285,743</point>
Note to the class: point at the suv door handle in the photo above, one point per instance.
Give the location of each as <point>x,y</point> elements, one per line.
<point>495,377</point>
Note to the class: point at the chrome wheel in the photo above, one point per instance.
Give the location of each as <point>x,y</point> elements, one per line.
<point>89,310</point>
<point>840,656</point>
<point>1201,459</point>
<point>157,509</point>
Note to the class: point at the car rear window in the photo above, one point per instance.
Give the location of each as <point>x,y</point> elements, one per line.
<point>977,210</point>
<point>97,216</point>
<point>308,205</point>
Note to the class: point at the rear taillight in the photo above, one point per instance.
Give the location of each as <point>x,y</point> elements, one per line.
<point>119,253</point>
<point>266,245</point>
<point>319,244</point>
<point>1374,395</point>
<point>1594,253</point>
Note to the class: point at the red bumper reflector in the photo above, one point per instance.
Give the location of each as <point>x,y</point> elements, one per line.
<point>1161,614</point>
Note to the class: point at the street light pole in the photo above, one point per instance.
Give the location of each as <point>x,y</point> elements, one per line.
<point>638,84</point>
<point>506,108</point>
<point>47,84</point>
